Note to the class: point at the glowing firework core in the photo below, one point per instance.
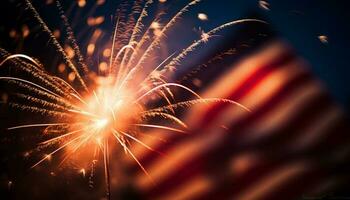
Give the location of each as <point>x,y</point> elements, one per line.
<point>101,123</point>
<point>107,111</point>
<point>118,107</point>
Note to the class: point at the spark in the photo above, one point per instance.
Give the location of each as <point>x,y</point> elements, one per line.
<point>112,106</point>
<point>9,185</point>
<point>19,56</point>
<point>202,16</point>
<point>90,49</point>
<point>57,33</point>
<point>107,53</point>
<point>264,5</point>
<point>205,37</point>
<point>25,31</point>
<point>81,3</point>
<point>12,33</point>
<point>82,171</point>
<point>34,125</point>
<point>323,39</point>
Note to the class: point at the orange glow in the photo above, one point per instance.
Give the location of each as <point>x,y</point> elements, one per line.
<point>155,25</point>
<point>48,157</point>
<point>71,76</point>
<point>81,3</point>
<point>100,2</point>
<point>61,68</point>
<point>90,49</point>
<point>57,33</point>
<point>92,21</point>
<point>103,66</point>
<point>25,31</point>
<point>323,39</point>
<point>12,33</point>
<point>103,112</point>
<point>82,171</point>
<point>4,98</point>
<point>94,108</point>
<point>70,52</point>
<point>99,20</point>
<point>106,53</point>
<point>97,33</point>
<point>197,82</point>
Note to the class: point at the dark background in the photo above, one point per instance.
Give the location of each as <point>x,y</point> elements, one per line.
<point>298,22</point>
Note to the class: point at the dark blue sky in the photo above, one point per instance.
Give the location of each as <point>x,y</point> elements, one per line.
<point>301,22</point>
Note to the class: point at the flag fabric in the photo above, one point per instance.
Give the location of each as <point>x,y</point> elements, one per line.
<point>291,145</point>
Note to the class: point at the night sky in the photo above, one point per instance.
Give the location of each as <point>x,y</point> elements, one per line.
<point>299,22</point>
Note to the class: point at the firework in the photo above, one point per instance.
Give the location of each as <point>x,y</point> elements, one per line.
<point>93,113</point>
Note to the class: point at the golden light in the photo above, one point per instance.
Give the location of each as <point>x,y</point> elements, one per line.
<point>26,154</point>
<point>202,16</point>
<point>264,5</point>
<point>99,141</point>
<point>57,33</point>
<point>48,157</point>
<point>70,52</point>
<point>155,25</point>
<point>157,32</point>
<point>205,36</point>
<point>71,76</point>
<point>90,49</point>
<point>97,33</point>
<point>93,21</point>
<point>99,20</point>
<point>25,31</point>
<point>107,52</point>
<point>101,110</point>
<point>101,123</point>
<point>197,82</point>
<point>82,171</point>
<point>90,21</point>
<point>323,39</point>
<point>61,68</point>
<point>103,66</point>
<point>9,184</point>
<point>81,3</point>
<point>113,106</point>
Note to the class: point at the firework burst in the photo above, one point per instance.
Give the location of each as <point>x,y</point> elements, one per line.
<point>95,113</point>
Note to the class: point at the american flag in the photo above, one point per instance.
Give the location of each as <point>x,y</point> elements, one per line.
<point>292,145</point>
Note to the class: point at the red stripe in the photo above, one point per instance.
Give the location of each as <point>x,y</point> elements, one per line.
<point>229,149</point>
<point>261,74</point>
<point>224,151</point>
<point>249,84</point>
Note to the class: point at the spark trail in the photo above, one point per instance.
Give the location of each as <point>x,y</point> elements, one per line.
<point>93,115</point>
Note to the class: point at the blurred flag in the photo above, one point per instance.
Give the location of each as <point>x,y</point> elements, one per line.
<point>291,145</point>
